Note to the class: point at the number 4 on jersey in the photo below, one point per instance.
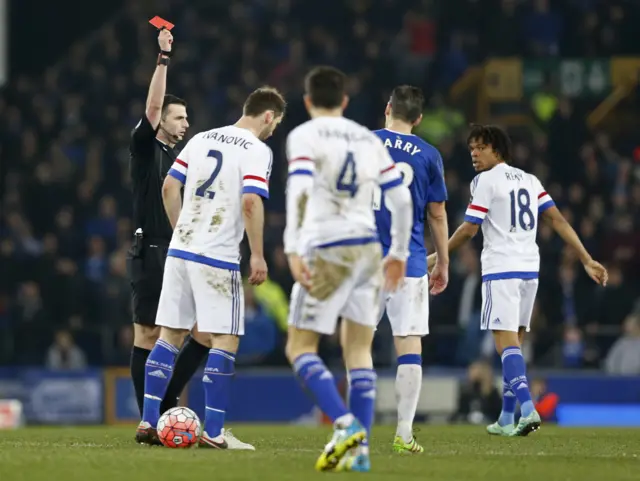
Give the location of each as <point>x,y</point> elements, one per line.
<point>202,190</point>
<point>347,180</point>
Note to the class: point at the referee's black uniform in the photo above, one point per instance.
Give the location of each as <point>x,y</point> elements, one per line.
<point>150,161</point>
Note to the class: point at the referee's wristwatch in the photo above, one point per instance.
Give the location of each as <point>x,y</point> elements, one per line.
<point>164,57</point>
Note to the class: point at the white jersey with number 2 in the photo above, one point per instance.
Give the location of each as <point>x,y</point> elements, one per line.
<point>201,275</point>
<point>216,168</point>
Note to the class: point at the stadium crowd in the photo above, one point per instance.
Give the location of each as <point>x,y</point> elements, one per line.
<point>65,207</point>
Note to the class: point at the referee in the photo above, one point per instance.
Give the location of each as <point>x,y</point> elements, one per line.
<point>152,154</point>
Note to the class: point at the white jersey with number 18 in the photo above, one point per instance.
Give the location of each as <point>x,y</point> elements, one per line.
<point>506,201</point>
<point>216,168</point>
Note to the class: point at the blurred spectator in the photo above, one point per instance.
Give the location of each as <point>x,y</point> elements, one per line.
<point>542,29</point>
<point>105,224</point>
<point>116,300</point>
<point>454,63</point>
<point>615,302</point>
<point>479,401</point>
<point>96,263</point>
<point>439,121</point>
<point>624,357</point>
<point>69,239</point>
<point>64,354</point>
<point>572,347</point>
<point>29,308</point>
<point>546,402</point>
<point>415,46</point>
<point>504,33</point>
<point>121,353</point>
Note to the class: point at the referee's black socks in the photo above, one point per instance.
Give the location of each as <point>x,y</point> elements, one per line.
<point>187,363</point>
<point>139,357</point>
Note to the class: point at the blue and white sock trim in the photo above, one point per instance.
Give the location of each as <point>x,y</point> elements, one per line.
<point>167,346</point>
<point>220,352</point>
<point>511,351</point>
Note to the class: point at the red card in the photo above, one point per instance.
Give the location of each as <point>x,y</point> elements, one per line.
<point>160,23</point>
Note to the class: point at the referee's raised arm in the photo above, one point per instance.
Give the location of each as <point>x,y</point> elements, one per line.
<point>158,86</point>
<point>157,106</point>
<point>152,154</point>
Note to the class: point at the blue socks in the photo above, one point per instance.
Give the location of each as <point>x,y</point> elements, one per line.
<point>318,381</point>
<point>362,397</point>
<point>216,380</point>
<point>157,374</point>
<point>508,405</point>
<point>514,372</point>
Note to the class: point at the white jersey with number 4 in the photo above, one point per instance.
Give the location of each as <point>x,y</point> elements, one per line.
<point>347,162</point>
<point>216,168</point>
<point>506,201</point>
<point>334,166</point>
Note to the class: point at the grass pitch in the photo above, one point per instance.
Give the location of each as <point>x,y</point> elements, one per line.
<point>459,453</point>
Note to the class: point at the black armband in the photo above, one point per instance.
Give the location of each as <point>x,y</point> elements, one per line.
<point>163,60</point>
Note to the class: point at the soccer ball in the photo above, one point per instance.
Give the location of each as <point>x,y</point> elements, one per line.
<point>179,428</point>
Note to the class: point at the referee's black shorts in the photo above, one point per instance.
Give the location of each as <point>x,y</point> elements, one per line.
<point>145,263</point>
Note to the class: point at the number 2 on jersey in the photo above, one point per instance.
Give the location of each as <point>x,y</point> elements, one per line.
<point>521,209</point>
<point>347,180</point>
<point>202,190</point>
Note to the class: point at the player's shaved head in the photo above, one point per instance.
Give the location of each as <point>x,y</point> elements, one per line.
<point>491,135</point>
<point>407,103</point>
<point>264,99</point>
<point>325,87</point>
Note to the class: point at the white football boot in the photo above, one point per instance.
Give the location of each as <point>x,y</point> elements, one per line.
<point>235,443</point>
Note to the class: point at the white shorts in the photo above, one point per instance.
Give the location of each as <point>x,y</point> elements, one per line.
<point>352,276</point>
<point>507,304</point>
<point>408,307</point>
<point>211,295</point>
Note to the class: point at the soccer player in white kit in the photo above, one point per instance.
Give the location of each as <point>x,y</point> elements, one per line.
<point>225,174</point>
<point>335,256</point>
<point>507,202</point>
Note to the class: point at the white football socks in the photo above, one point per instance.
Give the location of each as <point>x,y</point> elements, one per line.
<point>408,386</point>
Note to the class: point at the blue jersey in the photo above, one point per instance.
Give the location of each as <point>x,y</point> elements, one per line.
<point>421,167</point>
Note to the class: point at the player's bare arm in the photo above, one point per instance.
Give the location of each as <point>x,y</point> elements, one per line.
<point>300,271</point>
<point>596,271</point>
<point>253,215</point>
<point>298,189</point>
<point>158,86</point>
<point>464,233</point>
<point>171,199</point>
<point>439,227</point>
<point>399,202</point>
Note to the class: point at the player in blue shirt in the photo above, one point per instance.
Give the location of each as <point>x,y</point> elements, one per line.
<point>408,308</point>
